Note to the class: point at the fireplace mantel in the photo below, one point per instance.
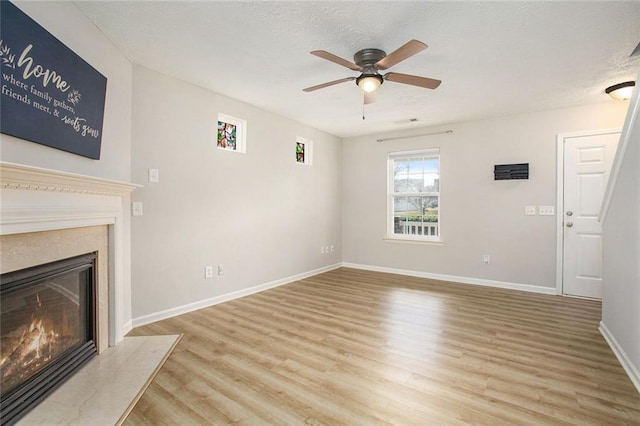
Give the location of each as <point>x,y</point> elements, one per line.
<point>17,176</point>
<point>35,199</point>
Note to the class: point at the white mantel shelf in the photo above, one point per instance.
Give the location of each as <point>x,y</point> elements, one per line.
<point>18,176</point>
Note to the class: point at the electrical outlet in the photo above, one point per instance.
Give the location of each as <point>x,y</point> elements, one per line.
<point>332,248</point>
<point>321,249</point>
<point>487,259</point>
<point>326,249</point>
<point>530,210</point>
<point>547,210</point>
<point>208,271</point>
<point>220,269</point>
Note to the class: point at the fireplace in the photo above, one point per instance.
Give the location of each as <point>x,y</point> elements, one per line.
<point>47,330</point>
<point>49,216</point>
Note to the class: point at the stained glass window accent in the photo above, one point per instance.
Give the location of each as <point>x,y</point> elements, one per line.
<point>231,133</point>
<point>227,135</point>
<point>300,152</point>
<point>303,150</point>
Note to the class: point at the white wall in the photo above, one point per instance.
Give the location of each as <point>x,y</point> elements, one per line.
<point>621,263</point>
<point>67,23</point>
<point>478,214</point>
<point>260,214</point>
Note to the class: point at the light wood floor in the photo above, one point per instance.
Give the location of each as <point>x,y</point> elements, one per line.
<point>362,348</point>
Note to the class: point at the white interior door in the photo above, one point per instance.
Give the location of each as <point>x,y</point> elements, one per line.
<point>587,162</point>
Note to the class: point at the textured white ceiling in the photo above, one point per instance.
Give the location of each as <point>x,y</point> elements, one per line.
<point>494,58</point>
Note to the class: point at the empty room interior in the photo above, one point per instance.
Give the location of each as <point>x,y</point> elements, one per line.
<point>289,213</point>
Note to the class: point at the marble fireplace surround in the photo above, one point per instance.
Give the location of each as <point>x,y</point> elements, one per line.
<point>40,207</point>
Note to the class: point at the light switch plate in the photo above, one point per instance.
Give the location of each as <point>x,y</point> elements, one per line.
<point>546,210</point>
<point>136,208</point>
<point>530,210</point>
<point>154,175</point>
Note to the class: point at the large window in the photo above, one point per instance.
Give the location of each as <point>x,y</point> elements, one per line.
<point>414,195</point>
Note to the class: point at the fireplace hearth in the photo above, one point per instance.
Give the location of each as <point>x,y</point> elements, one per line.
<point>47,330</point>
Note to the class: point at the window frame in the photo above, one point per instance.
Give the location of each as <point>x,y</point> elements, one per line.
<point>392,158</point>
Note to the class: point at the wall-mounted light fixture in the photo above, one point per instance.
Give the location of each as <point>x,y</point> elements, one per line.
<point>621,91</point>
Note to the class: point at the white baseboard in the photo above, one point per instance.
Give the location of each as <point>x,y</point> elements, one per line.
<point>626,363</point>
<point>190,307</point>
<point>454,278</point>
<point>127,327</point>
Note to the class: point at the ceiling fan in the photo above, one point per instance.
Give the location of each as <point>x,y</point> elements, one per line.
<point>370,61</point>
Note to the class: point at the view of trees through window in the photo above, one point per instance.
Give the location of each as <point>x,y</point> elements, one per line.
<point>415,194</point>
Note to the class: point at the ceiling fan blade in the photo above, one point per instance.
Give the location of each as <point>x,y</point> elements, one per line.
<point>330,83</point>
<point>336,59</point>
<point>369,97</point>
<point>414,80</point>
<point>409,49</point>
<point>636,51</point>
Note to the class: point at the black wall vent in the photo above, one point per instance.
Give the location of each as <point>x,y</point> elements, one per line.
<point>511,171</point>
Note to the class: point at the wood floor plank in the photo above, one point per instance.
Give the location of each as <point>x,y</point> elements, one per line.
<point>360,348</point>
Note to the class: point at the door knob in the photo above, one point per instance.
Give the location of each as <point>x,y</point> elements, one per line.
<point>569,224</point>
<point>569,213</point>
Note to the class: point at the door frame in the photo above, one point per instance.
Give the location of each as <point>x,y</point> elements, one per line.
<point>560,141</point>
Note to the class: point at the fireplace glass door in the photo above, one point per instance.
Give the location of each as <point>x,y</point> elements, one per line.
<point>47,328</point>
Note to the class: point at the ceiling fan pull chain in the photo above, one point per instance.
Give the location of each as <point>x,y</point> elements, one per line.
<point>363,110</point>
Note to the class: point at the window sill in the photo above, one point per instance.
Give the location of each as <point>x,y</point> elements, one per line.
<point>413,241</point>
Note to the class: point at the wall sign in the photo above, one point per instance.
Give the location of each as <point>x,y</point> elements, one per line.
<point>50,95</point>
<point>511,171</point>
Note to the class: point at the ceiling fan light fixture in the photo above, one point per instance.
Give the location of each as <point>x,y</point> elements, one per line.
<point>369,82</point>
<point>621,91</point>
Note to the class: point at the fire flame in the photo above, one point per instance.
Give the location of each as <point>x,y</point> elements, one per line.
<point>38,337</point>
<point>35,346</point>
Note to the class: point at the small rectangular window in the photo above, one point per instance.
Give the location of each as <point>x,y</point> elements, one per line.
<point>304,150</point>
<point>231,133</point>
<point>414,195</point>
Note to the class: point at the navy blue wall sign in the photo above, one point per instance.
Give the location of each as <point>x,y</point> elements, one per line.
<point>50,95</point>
